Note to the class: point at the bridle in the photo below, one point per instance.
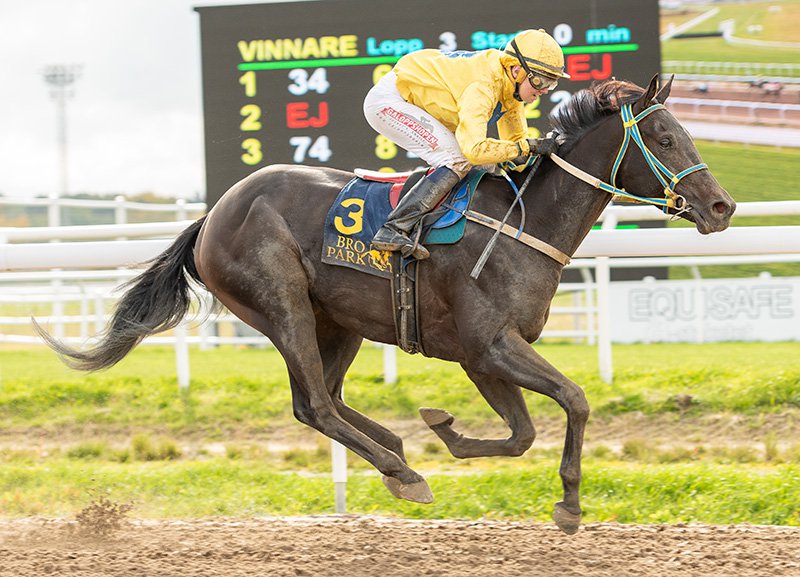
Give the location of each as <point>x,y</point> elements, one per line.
<point>668,179</point>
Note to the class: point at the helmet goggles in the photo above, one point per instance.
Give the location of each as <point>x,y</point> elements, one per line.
<point>538,81</point>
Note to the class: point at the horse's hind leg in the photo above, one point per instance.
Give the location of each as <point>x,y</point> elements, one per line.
<point>312,403</point>
<point>507,400</point>
<point>268,288</point>
<point>338,348</point>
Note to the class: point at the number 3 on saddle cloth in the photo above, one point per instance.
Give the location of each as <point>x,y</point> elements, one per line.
<point>365,202</point>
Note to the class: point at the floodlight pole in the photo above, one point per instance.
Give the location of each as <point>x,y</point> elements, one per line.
<point>61,77</point>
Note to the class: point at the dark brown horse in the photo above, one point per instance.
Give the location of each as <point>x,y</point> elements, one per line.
<point>258,251</point>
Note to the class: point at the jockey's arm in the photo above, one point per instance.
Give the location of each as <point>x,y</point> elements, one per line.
<point>475,109</point>
<point>513,126</point>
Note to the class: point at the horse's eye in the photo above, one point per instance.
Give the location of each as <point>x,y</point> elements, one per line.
<point>665,142</point>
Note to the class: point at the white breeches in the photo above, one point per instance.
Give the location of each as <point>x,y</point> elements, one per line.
<point>411,128</point>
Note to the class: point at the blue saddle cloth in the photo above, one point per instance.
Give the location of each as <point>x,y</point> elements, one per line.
<point>362,207</point>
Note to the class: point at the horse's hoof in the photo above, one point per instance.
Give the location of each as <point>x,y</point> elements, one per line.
<point>566,521</point>
<point>436,417</point>
<point>418,492</point>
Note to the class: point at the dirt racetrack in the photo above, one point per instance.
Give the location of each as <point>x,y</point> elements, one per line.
<point>356,546</point>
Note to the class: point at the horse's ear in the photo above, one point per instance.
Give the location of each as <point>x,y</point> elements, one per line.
<point>663,93</point>
<point>647,98</point>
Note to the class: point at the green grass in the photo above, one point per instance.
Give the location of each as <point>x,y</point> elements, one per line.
<point>750,173</point>
<point>717,50</point>
<point>246,389</point>
<point>755,173</point>
<point>612,491</point>
<point>779,27</point>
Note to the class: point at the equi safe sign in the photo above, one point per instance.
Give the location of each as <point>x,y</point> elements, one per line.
<point>755,309</point>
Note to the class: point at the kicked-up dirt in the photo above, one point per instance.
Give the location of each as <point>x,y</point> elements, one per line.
<point>356,546</point>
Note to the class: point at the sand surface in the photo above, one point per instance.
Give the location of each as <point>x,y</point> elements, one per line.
<point>357,546</point>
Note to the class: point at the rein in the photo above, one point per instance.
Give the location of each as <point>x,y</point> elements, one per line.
<point>501,225</point>
<point>666,177</point>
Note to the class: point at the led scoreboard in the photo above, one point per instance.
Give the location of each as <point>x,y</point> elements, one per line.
<point>285,82</point>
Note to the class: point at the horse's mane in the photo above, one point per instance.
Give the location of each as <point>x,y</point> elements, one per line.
<point>576,116</point>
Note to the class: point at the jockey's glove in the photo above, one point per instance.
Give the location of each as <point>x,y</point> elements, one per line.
<point>546,145</point>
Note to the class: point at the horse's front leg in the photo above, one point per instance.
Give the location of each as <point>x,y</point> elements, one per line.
<point>507,400</point>
<point>512,359</point>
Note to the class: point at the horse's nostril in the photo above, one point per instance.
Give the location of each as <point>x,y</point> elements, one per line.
<point>720,207</point>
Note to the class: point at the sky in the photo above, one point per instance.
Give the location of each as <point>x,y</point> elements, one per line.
<point>134,122</point>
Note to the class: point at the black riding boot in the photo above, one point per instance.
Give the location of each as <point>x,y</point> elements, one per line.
<point>394,235</point>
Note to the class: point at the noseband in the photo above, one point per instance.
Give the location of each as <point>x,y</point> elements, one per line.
<point>666,177</point>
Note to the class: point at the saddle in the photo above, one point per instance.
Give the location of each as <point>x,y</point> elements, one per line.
<point>362,207</point>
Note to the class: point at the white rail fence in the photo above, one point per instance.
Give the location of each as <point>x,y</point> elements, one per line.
<point>766,112</point>
<point>787,73</point>
<point>118,209</point>
<point>91,292</point>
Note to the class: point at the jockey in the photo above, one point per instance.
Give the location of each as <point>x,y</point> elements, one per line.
<point>438,106</point>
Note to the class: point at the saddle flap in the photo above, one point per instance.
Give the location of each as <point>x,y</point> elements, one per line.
<point>456,203</point>
<point>362,207</point>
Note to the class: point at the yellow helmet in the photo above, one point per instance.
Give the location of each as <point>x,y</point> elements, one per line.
<point>538,54</point>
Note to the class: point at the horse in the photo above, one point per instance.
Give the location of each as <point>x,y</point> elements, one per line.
<point>258,251</point>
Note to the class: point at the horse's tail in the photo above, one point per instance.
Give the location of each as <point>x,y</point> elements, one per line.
<point>154,301</point>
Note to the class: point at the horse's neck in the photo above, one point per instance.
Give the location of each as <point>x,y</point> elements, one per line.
<point>565,208</point>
